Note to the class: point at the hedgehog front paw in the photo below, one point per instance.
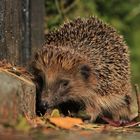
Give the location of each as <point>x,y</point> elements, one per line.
<point>124,120</point>
<point>93,114</point>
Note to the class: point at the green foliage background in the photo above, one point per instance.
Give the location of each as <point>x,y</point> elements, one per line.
<point>124,15</point>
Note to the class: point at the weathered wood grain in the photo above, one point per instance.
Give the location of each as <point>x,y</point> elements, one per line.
<point>17,97</point>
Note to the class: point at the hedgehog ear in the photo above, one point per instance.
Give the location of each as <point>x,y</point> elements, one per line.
<point>85,71</point>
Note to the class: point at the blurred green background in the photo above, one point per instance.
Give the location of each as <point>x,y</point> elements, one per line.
<point>124,15</point>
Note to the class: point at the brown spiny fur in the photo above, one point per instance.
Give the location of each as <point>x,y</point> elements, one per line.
<point>92,43</point>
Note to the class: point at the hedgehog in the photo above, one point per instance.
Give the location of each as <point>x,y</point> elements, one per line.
<point>84,65</point>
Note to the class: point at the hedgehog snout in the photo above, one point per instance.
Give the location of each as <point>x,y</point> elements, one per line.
<point>42,107</point>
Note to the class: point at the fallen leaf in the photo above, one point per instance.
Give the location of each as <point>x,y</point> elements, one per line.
<point>49,125</point>
<point>5,64</point>
<point>22,124</point>
<point>35,121</point>
<point>132,124</point>
<point>66,123</point>
<point>55,113</point>
<point>119,124</point>
<point>112,122</point>
<point>39,121</point>
<point>89,126</point>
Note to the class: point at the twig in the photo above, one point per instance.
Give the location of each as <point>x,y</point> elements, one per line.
<point>138,98</point>
<point>59,9</point>
<point>65,11</point>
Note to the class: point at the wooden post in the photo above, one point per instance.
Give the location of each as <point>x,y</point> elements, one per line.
<point>10,30</point>
<point>21,29</point>
<point>26,32</point>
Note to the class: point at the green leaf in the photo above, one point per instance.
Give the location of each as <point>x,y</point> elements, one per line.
<point>22,124</point>
<point>55,113</point>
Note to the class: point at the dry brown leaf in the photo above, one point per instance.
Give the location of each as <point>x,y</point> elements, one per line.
<point>39,121</point>
<point>89,126</point>
<point>66,123</point>
<point>5,64</point>
<point>34,121</point>
<point>132,124</point>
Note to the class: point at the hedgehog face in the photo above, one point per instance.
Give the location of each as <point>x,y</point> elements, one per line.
<point>59,83</point>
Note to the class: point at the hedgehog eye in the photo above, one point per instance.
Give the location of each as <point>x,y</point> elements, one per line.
<point>85,71</point>
<point>64,83</point>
